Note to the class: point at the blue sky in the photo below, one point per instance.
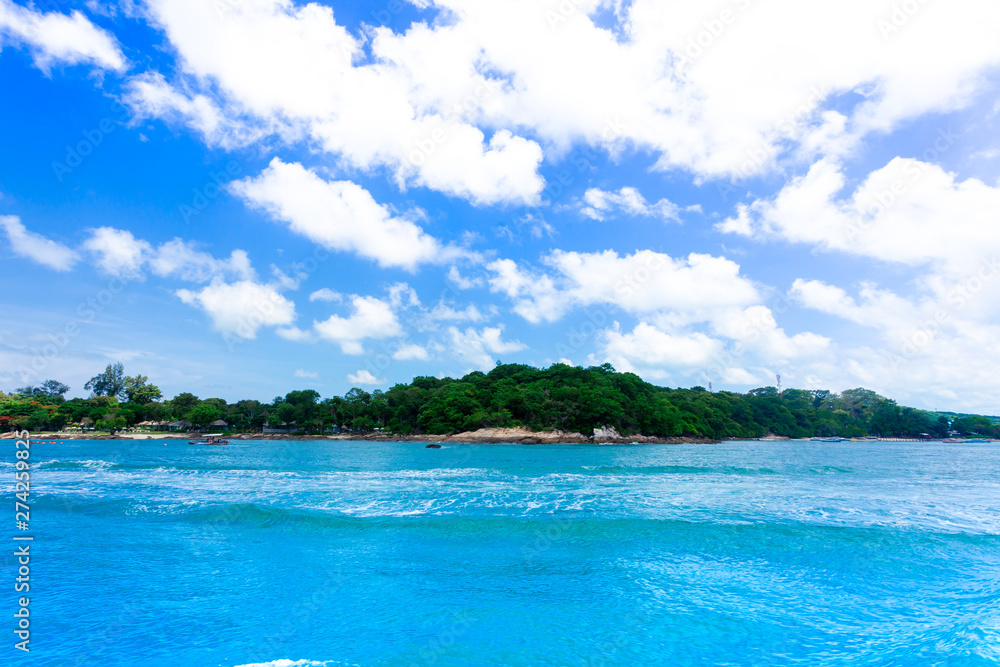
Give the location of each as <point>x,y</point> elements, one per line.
<point>243,197</point>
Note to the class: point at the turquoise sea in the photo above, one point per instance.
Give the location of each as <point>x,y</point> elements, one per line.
<point>353,553</point>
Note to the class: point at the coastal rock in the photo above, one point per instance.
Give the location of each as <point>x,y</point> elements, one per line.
<point>607,434</point>
<point>520,436</point>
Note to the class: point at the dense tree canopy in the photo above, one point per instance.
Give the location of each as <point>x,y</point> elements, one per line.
<point>109,383</point>
<point>559,397</point>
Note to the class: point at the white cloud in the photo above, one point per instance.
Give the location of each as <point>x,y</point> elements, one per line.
<point>755,330</point>
<point>461,282</point>
<point>478,349</point>
<point>696,316</point>
<point>58,38</point>
<point>739,347</point>
<point>296,335</point>
<point>37,247</point>
<point>150,94</point>
<point>373,318</point>
<point>118,252</point>
<point>240,308</point>
<point>648,347</point>
<point>364,377</point>
<point>309,375</point>
<point>908,212</point>
<point>645,281</point>
<point>444,313</point>
<point>829,299</point>
<point>438,104</point>
<point>340,215</point>
<point>725,107</point>
<point>599,204</point>
<point>370,318</point>
<point>410,351</point>
<point>402,295</point>
<point>307,82</point>
<point>326,294</point>
<point>933,347</point>
<point>181,259</point>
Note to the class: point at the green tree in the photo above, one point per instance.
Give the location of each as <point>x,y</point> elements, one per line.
<point>183,403</point>
<point>357,401</point>
<point>138,390</point>
<point>109,383</point>
<point>364,424</point>
<point>286,412</point>
<point>49,388</point>
<point>972,425</point>
<point>204,414</point>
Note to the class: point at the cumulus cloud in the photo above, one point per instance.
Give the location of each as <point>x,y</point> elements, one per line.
<point>370,318</point>
<point>446,313</point>
<point>364,377</point>
<point>151,94</point>
<point>181,259</point>
<point>36,247</point>
<point>340,215</point>
<point>645,281</point>
<point>241,308</point>
<point>326,294</point>
<point>478,348</point>
<point>599,204</point>
<point>738,347</point>
<point>461,282</point>
<point>930,349</point>
<point>55,38</point>
<point>308,375</point>
<point>393,316</point>
<point>647,347</point>
<point>439,103</point>
<point>908,212</point>
<point>696,317</point>
<point>306,81</point>
<point>409,352</point>
<point>118,252</point>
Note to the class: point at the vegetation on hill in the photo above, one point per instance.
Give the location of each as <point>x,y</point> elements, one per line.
<point>559,397</point>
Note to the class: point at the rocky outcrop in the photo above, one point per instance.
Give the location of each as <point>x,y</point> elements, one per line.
<point>517,436</point>
<point>607,434</point>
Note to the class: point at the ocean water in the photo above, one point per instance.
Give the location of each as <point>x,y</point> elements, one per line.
<point>350,553</point>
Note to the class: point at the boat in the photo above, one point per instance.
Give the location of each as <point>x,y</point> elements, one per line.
<point>210,439</point>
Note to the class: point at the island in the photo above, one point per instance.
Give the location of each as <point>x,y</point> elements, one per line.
<point>510,403</point>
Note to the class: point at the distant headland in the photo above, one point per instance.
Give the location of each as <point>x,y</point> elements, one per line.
<point>510,403</point>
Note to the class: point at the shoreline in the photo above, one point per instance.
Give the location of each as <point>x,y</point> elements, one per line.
<point>486,436</point>
<point>481,437</point>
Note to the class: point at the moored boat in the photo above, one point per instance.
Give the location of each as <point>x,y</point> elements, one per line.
<point>210,439</point>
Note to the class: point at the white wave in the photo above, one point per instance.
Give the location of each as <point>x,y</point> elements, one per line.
<point>285,662</point>
<point>93,464</point>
